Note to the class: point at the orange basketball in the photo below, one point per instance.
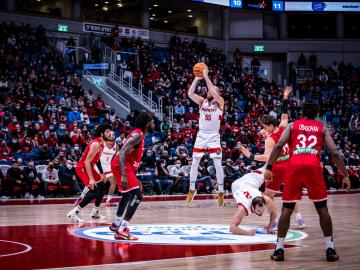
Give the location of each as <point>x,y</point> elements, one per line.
<point>198,69</point>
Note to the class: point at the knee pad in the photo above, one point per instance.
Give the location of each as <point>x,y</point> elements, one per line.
<point>290,206</point>
<point>320,204</point>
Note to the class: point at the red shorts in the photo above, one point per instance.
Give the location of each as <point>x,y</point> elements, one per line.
<point>81,172</point>
<point>133,182</point>
<point>299,176</point>
<point>279,171</point>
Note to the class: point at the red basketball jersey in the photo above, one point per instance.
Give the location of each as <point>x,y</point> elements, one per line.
<point>134,157</point>
<point>96,158</point>
<point>285,152</point>
<point>306,141</point>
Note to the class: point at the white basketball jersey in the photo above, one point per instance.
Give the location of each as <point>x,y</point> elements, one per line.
<point>106,157</point>
<point>210,117</point>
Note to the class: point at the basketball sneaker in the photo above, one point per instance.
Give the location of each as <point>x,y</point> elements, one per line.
<point>78,201</point>
<point>95,213</point>
<point>278,255</point>
<point>113,227</point>
<point>73,215</point>
<point>220,199</point>
<point>125,235</point>
<point>331,255</point>
<point>300,223</point>
<point>190,196</point>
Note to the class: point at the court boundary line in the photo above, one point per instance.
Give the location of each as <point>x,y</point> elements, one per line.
<point>28,248</point>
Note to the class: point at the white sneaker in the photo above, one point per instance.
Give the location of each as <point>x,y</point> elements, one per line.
<point>96,214</point>
<point>31,196</point>
<point>5,197</point>
<point>27,195</point>
<point>73,215</point>
<point>40,197</point>
<point>300,223</point>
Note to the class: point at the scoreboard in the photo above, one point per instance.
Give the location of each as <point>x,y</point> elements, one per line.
<point>278,5</point>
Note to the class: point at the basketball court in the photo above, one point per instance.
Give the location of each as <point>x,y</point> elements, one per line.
<point>35,234</point>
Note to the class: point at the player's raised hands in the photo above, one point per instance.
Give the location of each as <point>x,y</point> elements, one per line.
<point>205,72</point>
<point>268,177</point>
<point>287,91</point>
<point>346,183</point>
<point>246,152</point>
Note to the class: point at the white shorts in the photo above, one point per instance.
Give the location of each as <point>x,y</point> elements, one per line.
<point>207,143</point>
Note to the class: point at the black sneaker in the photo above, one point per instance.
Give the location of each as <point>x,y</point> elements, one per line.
<point>331,255</point>
<point>113,227</point>
<point>278,255</point>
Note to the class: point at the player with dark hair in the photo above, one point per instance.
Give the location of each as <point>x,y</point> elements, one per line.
<point>92,180</point>
<point>250,200</point>
<point>124,167</point>
<point>273,133</point>
<point>305,138</point>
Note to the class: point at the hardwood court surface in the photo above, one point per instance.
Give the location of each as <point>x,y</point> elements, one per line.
<point>45,228</point>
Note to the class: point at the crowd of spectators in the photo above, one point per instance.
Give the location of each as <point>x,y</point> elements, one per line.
<point>47,118</point>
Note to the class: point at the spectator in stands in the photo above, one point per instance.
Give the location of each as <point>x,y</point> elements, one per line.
<point>35,186</point>
<point>232,173</point>
<point>71,47</point>
<point>301,61</point>
<point>179,110</point>
<point>180,175</point>
<point>50,177</point>
<point>15,180</point>
<point>68,178</point>
<point>3,188</point>
<point>162,177</point>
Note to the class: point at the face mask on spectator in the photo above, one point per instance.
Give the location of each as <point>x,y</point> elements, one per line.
<point>149,154</point>
<point>62,127</point>
<point>76,148</point>
<point>69,166</point>
<point>178,166</point>
<point>41,122</point>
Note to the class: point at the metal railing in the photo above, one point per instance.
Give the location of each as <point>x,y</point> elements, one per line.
<point>137,93</point>
<point>303,74</point>
<point>123,101</point>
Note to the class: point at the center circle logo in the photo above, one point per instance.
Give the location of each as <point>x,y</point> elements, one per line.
<point>186,234</point>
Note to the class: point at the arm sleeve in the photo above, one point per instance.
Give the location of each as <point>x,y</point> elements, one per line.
<point>98,165</point>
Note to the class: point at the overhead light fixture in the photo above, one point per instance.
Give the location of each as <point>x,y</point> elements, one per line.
<point>189,10</point>
<point>153,15</point>
<point>119,4</point>
<point>149,8</point>
<point>106,2</point>
<point>105,8</point>
<point>152,18</point>
<point>165,21</point>
<point>169,11</point>
<point>96,5</point>
<point>155,5</point>
<point>190,16</point>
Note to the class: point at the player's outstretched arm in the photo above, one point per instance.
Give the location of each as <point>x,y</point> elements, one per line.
<point>271,207</point>
<point>236,220</point>
<point>94,149</point>
<point>269,145</point>
<point>285,107</point>
<point>191,93</point>
<point>129,145</point>
<point>339,162</point>
<point>213,89</point>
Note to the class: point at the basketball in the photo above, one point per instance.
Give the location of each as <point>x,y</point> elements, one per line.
<point>198,69</point>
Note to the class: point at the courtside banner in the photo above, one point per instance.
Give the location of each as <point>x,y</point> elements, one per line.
<point>323,6</point>
<point>123,31</point>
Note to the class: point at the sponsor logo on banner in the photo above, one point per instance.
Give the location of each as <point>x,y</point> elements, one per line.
<point>186,234</point>
<point>123,31</point>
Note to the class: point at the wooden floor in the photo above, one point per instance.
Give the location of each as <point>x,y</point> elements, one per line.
<point>45,228</point>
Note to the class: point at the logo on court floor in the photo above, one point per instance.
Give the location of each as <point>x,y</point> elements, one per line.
<point>186,234</point>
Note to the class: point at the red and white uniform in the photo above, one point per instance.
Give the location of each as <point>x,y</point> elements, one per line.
<point>105,159</point>
<point>80,166</point>
<point>132,162</point>
<point>208,137</point>
<point>304,170</point>
<point>281,165</point>
<point>246,188</point>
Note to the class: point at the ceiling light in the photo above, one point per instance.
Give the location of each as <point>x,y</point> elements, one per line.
<point>190,16</point>
<point>119,4</point>
<point>153,15</point>
<point>96,5</point>
<point>165,21</point>
<point>170,11</point>
<point>155,5</point>
<point>105,8</point>
<point>106,2</point>
<point>152,18</point>
<point>189,10</point>
<point>149,8</point>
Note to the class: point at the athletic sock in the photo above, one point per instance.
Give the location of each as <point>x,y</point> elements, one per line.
<point>123,225</point>
<point>280,243</point>
<point>298,216</point>
<point>221,188</point>
<point>329,242</point>
<point>76,209</point>
<point>117,221</point>
<point>83,193</point>
<point>109,197</point>
<point>192,185</point>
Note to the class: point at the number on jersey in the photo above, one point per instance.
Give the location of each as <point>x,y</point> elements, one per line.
<point>312,140</point>
<point>207,117</point>
<point>247,195</point>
